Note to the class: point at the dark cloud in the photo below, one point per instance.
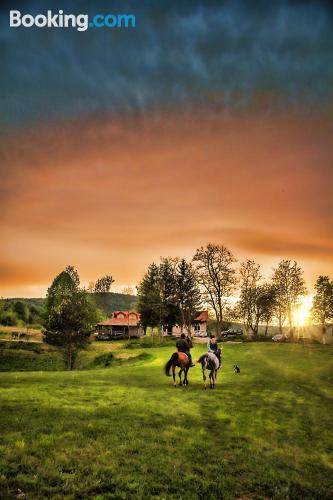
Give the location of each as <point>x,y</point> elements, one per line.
<point>189,53</point>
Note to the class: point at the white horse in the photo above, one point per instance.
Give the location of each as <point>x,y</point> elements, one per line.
<point>209,361</point>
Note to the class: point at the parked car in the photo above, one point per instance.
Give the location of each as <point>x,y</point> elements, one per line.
<point>200,334</point>
<point>232,332</point>
<point>280,337</point>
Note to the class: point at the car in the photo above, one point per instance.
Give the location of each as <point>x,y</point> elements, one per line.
<point>231,332</point>
<point>200,334</point>
<point>280,337</point>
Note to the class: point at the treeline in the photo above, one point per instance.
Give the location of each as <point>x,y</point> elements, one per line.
<point>20,312</point>
<point>170,293</point>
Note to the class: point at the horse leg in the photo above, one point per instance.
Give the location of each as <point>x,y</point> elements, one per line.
<point>174,375</point>
<point>204,377</point>
<point>185,376</point>
<point>180,377</point>
<point>211,379</point>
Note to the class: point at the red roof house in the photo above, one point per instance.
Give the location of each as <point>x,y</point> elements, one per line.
<point>121,324</point>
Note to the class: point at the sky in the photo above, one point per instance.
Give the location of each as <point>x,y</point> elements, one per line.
<point>209,121</point>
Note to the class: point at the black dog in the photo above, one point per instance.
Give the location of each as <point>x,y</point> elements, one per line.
<point>236,369</point>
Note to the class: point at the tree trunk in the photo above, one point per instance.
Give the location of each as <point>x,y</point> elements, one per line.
<point>323,329</point>
<point>291,333</point>
<point>266,329</point>
<point>69,358</point>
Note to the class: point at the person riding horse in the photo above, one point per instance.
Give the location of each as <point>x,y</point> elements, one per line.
<point>184,344</point>
<point>213,347</point>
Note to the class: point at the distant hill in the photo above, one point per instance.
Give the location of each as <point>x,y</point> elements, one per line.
<point>107,302</point>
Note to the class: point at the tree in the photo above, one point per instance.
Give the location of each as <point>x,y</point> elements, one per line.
<point>70,317</point>
<point>257,302</point>
<point>268,304</point>
<point>22,311</point>
<point>73,274</point>
<point>249,281</point>
<point>103,284</point>
<point>91,287</point>
<point>187,293</point>
<point>322,309</point>
<point>290,286</point>
<point>128,290</point>
<point>169,311</point>
<point>149,298</point>
<point>157,301</point>
<point>216,276</point>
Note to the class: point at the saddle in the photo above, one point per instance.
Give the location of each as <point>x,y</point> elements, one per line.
<point>182,356</point>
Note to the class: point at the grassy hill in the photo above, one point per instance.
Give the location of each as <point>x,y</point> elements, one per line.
<point>125,432</point>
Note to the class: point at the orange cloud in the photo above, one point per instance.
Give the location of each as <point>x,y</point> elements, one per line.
<point>111,195</point>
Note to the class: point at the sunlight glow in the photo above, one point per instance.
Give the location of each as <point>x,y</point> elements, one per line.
<point>302,311</point>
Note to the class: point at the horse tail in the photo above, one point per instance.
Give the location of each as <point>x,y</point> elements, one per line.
<point>173,360</point>
<point>202,357</point>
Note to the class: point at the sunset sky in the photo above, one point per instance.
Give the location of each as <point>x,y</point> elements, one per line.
<point>210,121</point>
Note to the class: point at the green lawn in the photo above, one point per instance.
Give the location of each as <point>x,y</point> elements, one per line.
<point>125,432</point>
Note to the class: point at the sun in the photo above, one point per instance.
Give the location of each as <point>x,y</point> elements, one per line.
<point>302,310</point>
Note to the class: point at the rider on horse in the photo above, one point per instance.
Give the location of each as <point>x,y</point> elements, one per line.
<point>184,345</point>
<point>212,346</point>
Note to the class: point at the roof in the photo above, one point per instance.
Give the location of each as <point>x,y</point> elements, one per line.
<point>202,316</point>
<point>122,318</point>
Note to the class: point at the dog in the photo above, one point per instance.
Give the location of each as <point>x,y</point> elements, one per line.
<point>236,369</point>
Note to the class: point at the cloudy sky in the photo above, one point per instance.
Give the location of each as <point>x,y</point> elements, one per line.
<point>209,121</point>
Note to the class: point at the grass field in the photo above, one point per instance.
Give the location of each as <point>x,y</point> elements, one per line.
<point>125,432</point>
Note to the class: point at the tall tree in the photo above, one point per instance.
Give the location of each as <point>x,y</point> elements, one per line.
<point>322,309</point>
<point>187,293</point>
<point>70,317</point>
<point>290,286</point>
<point>217,277</point>
<point>169,311</point>
<point>149,298</point>
<point>103,284</point>
<point>249,281</point>
<point>268,304</point>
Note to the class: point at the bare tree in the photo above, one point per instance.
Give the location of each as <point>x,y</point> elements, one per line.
<point>249,281</point>
<point>290,285</point>
<point>268,304</point>
<point>216,276</point>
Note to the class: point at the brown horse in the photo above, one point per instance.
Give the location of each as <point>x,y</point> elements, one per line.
<point>180,360</point>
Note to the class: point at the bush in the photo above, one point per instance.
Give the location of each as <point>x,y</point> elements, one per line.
<point>103,360</point>
<point>9,318</point>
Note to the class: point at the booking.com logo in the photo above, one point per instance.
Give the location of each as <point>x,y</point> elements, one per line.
<point>80,21</point>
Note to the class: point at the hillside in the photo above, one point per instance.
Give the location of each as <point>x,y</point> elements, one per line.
<point>107,302</point>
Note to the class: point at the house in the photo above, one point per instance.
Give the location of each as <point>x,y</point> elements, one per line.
<point>121,324</point>
<point>199,325</point>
